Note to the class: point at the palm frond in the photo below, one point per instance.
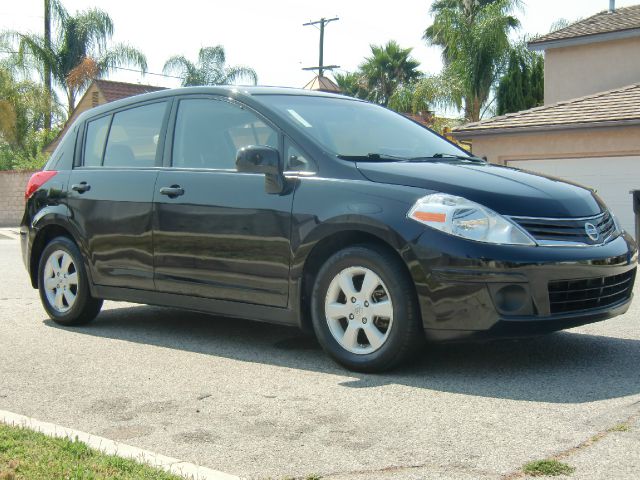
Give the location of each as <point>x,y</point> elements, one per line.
<point>121,55</point>
<point>210,69</point>
<point>235,74</point>
<point>95,28</point>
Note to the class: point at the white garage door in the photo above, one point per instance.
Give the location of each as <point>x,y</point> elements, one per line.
<point>611,177</point>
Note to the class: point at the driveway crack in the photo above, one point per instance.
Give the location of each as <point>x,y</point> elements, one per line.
<point>564,454</point>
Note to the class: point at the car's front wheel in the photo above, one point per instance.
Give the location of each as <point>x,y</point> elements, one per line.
<point>364,309</point>
<point>63,284</point>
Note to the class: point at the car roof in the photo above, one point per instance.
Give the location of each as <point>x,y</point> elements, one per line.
<point>232,91</point>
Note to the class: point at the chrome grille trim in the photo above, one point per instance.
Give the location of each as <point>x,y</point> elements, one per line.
<point>567,232</point>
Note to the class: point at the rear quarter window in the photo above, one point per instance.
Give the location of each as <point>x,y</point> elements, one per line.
<point>95,138</point>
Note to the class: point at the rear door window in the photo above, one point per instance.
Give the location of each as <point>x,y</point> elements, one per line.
<point>134,136</point>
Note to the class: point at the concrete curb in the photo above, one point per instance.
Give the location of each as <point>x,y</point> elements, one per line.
<point>110,447</point>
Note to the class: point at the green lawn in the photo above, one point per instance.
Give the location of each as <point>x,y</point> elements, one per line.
<point>25,454</point>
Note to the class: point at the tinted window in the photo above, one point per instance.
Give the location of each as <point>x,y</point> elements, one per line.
<point>94,144</point>
<point>134,135</point>
<point>209,133</point>
<point>63,154</point>
<point>349,127</point>
<point>297,160</point>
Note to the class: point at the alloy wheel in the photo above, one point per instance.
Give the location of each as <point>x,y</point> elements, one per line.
<point>359,310</point>
<point>60,281</point>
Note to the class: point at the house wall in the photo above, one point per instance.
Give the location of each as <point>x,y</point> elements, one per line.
<point>576,71</point>
<point>579,143</point>
<point>12,186</point>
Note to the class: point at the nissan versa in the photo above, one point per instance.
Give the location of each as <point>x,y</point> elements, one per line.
<point>315,210</point>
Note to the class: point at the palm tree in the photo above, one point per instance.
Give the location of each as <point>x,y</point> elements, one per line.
<point>426,94</point>
<point>388,68</point>
<point>78,53</point>
<point>352,84</point>
<point>210,69</point>
<point>474,36</point>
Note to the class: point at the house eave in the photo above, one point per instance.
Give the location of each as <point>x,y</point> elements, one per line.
<point>584,39</point>
<point>466,134</point>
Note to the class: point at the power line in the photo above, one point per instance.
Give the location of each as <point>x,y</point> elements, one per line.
<point>148,73</point>
<point>123,68</point>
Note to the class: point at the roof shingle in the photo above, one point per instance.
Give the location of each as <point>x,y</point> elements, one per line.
<point>618,105</point>
<point>622,19</point>
<point>113,91</point>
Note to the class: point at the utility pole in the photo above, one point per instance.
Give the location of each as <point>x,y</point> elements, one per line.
<point>47,65</point>
<point>321,67</point>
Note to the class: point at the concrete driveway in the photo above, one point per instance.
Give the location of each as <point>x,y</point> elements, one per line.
<point>262,401</point>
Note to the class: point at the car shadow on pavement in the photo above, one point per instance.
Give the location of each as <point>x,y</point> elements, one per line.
<point>563,367</point>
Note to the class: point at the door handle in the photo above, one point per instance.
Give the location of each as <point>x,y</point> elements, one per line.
<point>173,191</point>
<point>81,187</point>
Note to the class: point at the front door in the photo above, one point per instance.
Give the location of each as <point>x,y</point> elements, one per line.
<point>110,195</point>
<point>217,233</point>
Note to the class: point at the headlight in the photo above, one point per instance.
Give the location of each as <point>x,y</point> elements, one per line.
<point>464,218</point>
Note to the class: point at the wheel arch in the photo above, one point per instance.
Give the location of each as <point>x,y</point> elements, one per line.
<point>335,241</point>
<point>46,231</point>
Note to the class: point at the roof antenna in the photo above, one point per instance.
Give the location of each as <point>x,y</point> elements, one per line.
<point>612,6</point>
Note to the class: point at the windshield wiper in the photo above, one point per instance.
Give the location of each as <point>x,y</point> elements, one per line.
<point>436,157</point>
<point>374,157</point>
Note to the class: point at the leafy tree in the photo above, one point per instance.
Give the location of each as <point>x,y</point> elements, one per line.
<point>433,91</point>
<point>522,86</point>
<point>79,50</point>
<point>474,36</point>
<point>23,109</point>
<point>210,69</point>
<point>352,84</point>
<point>402,99</point>
<point>388,68</point>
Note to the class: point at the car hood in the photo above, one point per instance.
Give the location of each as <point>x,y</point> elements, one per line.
<point>506,190</point>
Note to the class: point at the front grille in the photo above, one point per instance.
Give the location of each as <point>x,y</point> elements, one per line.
<point>568,230</point>
<point>586,294</point>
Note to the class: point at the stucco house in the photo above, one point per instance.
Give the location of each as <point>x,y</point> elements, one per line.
<point>588,130</point>
<point>99,93</point>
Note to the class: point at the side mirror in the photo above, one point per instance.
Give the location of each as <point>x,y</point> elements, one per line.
<point>262,159</point>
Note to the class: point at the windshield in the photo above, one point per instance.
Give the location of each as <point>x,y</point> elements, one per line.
<point>357,129</point>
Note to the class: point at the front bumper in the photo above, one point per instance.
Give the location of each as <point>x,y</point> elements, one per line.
<point>461,285</point>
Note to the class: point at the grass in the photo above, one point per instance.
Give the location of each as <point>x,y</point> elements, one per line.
<point>621,427</point>
<point>549,468</point>
<point>25,454</point>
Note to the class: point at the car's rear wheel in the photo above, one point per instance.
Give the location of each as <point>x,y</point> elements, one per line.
<point>364,309</point>
<point>63,284</point>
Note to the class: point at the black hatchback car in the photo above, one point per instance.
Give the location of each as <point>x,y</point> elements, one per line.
<point>314,210</point>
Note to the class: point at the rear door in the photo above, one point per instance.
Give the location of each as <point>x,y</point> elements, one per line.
<point>111,192</point>
<point>220,235</point>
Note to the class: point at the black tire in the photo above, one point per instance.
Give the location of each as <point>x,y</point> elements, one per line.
<point>405,334</point>
<point>84,308</point>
